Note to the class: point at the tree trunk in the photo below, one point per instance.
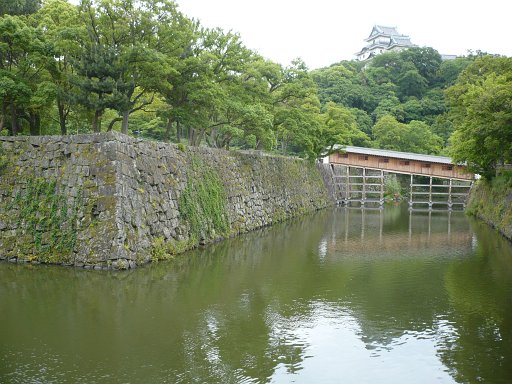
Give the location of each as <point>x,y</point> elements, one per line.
<point>178,131</point>
<point>124,124</point>
<point>14,120</point>
<point>35,124</point>
<point>167,133</point>
<point>62,117</point>
<point>111,124</point>
<point>4,114</point>
<point>96,121</point>
<point>200,137</point>
<point>283,146</point>
<point>212,142</point>
<point>191,136</point>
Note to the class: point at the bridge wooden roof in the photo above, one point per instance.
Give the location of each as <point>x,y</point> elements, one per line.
<point>396,154</point>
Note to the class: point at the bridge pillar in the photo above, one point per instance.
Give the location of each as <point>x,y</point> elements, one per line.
<point>430,194</point>
<point>411,195</point>
<point>450,204</point>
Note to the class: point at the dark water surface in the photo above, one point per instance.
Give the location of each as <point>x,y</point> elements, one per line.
<point>345,296</point>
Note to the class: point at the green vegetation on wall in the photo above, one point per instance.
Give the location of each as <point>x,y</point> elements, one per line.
<point>4,162</point>
<point>166,250</point>
<point>48,221</point>
<point>203,203</point>
<point>492,202</point>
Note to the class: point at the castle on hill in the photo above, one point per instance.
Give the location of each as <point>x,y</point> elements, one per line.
<point>383,39</point>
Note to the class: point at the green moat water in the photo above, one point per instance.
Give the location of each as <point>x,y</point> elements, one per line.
<point>344,296</point>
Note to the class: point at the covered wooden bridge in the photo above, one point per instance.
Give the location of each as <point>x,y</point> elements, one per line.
<point>359,176</point>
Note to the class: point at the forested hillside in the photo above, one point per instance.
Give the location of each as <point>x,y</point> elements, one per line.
<point>144,68</point>
<point>397,97</point>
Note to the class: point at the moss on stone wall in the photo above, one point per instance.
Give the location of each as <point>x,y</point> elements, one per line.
<point>47,221</point>
<point>492,202</point>
<point>57,202</point>
<point>112,201</point>
<point>203,203</point>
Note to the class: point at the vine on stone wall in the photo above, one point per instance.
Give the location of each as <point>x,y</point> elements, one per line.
<point>203,203</point>
<point>4,162</point>
<point>48,221</point>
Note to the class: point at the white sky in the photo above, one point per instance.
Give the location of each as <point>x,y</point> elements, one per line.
<point>323,32</point>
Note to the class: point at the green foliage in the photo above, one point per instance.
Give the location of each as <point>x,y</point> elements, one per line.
<point>337,126</point>
<point>451,69</point>
<point>389,106</point>
<point>23,93</point>
<point>166,250</point>
<point>407,85</point>
<point>392,187</point>
<point>414,137</point>
<point>145,68</point>
<point>202,204</point>
<point>19,7</point>
<point>4,160</point>
<point>492,201</point>
<point>181,147</point>
<point>481,110</point>
<point>49,219</point>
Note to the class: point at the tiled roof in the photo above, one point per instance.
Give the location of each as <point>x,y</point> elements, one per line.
<point>401,40</point>
<point>387,30</point>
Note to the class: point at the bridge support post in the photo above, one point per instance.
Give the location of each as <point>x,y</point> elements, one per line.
<point>430,194</point>
<point>450,204</point>
<point>363,193</point>
<point>347,195</point>
<point>381,187</point>
<point>410,193</point>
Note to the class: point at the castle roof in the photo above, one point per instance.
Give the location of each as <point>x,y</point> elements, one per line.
<point>392,32</point>
<point>404,41</point>
<point>393,39</point>
<point>382,30</point>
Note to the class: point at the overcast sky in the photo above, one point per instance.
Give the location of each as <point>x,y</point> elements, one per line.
<point>322,32</point>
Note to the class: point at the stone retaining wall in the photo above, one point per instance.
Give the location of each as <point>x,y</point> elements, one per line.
<point>112,201</point>
<point>492,203</point>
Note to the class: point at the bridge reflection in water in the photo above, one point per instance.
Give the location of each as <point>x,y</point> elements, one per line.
<point>376,231</point>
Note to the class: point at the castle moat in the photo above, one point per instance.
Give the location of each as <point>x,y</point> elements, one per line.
<point>343,295</point>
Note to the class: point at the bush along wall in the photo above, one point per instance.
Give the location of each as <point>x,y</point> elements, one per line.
<point>110,201</point>
<point>492,202</point>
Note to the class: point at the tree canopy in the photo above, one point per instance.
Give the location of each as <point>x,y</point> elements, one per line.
<point>144,68</point>
<point>481,109</point>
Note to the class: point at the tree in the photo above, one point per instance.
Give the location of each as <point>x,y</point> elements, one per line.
<point>23,89</point>
<point>296,107</point>
<point>346,85</point>
<point>19,7</point>
<point>426,60</point>
<point>449,70</point>
<point>63,32</point>
<point>421,139</point>
<point>363,119</point>
<point>119,63</point>
<point>414,137</point>
<point>389,106</point>
<point>481,109</point>
<point>338,127</point>
<point>390,134</point>
<point>411,83</point>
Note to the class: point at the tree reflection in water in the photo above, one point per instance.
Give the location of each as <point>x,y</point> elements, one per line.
<point>350,295</point>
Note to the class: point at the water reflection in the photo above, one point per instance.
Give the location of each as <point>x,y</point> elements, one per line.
<point>349,295</point>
